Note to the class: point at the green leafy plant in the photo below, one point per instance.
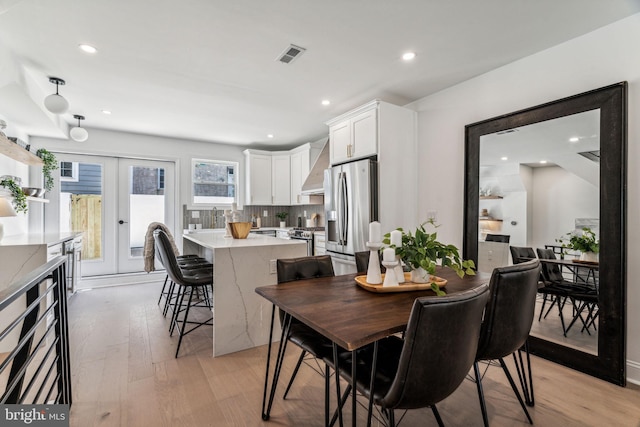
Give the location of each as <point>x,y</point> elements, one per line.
<point>49,165</point>
<point>282,215</point>
<point>19,198</point>
<point>584,241</point>
<point>423,249</point>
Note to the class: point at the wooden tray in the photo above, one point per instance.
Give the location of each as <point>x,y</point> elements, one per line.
<point>407,286</point>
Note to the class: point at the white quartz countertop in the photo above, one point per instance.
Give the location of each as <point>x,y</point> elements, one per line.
<point>37,239</point>
<point>216,240</point>
<point>221,230</point>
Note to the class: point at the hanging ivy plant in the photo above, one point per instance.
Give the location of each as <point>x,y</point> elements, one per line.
<point>50,164</point>
<point>19,198</point>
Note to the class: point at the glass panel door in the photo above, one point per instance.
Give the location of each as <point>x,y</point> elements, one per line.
<point>145,196</point>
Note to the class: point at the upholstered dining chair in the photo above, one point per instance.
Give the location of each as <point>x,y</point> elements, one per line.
<point>507,321</point>
<point>186,281</point>
<point>521,254</point>
<point>426,366</point>
<point>309,341</point>
<point>362,262</point>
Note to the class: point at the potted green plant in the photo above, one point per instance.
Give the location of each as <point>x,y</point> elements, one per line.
<point>19,198</point>
<point>421,251</point>
<point>282,216</point>
<point>49,165</point>
<point>584,241</point>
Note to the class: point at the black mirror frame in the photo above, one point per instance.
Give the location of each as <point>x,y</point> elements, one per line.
<point>610,363</point>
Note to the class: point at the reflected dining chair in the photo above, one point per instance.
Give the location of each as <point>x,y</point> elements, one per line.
<point>187,281</point>
<point>507,321</point>
<point>310,342</point>
<point>426,366</point>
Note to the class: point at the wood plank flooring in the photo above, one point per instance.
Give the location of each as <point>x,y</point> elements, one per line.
<point>125,374</point>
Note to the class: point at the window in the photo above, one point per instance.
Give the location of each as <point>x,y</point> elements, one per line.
<point>69,171</point>
<point>214,182</point>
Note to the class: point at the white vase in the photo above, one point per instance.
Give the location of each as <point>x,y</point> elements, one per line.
<point>283,224</point>
<point>420,275</point>
<point>589,256</point>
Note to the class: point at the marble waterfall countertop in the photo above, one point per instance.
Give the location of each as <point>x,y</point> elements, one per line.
<point>241,318</point>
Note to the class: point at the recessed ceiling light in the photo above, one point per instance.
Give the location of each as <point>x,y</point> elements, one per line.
<point>107,112</point>
<point>87,48</point>
<point>326,102</point>
<point>408,56</point>
<point>270,136</point>
<point>543,162</point>
<point>504,158</point>
<point>574,139</point>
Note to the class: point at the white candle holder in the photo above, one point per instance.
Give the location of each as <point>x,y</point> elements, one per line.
<point>398,270</point>
<point>374,276</point>
<point>390,275</point>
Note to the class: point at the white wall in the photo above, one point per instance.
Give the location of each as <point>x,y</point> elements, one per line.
<point>559,197</point>
<point>598,59</point>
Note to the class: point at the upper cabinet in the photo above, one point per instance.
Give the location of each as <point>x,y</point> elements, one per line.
<point>267,178</point>
<point>389,132</point>
<point>280,179</point>
<point>354,135</point>
<point>257,177</point>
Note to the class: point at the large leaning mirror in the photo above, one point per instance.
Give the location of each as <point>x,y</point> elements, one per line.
<point>535,175</point>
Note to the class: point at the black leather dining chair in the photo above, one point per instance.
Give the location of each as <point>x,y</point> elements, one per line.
<point>520,254</point>
<point>502,238</point>
<point>426,366</point>
<point>186,281</point>
<point>309,341</point>
<point>362,262</point>
<point>507,321</point>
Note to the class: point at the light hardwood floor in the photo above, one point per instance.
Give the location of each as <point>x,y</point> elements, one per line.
<point>125,374</point>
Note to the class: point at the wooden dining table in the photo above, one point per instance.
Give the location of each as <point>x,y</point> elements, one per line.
<point>348,315</point>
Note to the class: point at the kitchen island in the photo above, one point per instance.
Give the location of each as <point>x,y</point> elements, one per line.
<point>241,318</point>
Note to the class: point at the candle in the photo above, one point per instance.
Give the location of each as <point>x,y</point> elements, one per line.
<point>389,255</point>
<point>375,232</point>
<point>396,238</point>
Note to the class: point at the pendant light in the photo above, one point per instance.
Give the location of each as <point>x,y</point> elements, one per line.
<point>77,133</point>
<point>56,102</point>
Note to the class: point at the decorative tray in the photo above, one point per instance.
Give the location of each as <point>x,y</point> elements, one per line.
<point>407,286</point>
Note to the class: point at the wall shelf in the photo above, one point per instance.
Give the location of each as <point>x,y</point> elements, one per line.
<point>488,218</point>
<point>490,197</point>
<point>37,199</point>
<point>13,150</point>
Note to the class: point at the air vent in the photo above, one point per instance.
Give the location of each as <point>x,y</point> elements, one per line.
<point>503,132</point>
<point>290,54</point>
<point>594,156</point>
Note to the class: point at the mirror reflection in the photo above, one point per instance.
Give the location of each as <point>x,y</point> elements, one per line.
<point>537,183</point>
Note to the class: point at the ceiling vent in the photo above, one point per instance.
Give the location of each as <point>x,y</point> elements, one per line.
<point>290,54</point>
<point>594,156</point>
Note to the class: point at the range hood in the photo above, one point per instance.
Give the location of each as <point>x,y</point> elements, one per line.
<point>314,184</point>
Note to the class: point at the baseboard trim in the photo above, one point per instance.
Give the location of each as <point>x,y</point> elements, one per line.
<point>633,372</point>
<point>119,280</point>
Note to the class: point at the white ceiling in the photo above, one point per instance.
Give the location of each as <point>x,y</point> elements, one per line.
<point>207,70</point>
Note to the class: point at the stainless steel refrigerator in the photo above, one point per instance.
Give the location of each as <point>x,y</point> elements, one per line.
<point>351,203</point>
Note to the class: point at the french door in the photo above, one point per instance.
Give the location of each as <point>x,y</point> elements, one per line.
<point>112,200</point>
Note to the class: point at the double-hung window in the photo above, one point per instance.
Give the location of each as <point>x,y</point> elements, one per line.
<point>213,182</point>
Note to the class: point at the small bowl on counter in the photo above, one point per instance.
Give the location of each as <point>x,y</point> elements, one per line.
<point>240,230</point>
<point>33,191</point>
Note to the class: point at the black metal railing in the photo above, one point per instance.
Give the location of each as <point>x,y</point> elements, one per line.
<point>34,341</point>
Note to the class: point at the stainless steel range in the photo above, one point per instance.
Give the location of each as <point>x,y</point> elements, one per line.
<point>306,234</point>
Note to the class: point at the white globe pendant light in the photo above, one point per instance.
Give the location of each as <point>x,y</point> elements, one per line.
<point>77,133</point>
<point>55,102</point>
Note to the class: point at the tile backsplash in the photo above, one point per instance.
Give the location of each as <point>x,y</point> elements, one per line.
<point>214,218</point>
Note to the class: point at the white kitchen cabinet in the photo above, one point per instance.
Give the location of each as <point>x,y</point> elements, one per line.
<point>389,132</point>
<point>354,137</point>
<point>302,159</point>
<point>281,179</point>
<point>258,178</point>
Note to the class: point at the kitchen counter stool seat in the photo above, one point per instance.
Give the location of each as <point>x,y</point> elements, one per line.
<point>188,281</point>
